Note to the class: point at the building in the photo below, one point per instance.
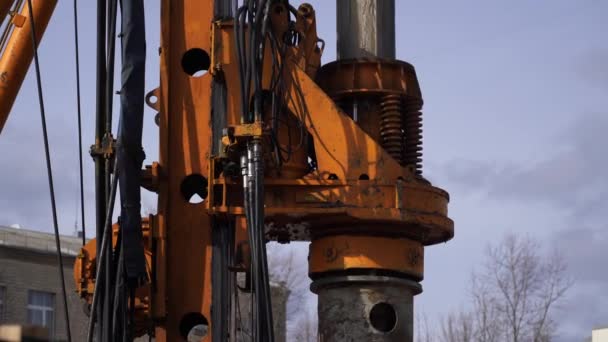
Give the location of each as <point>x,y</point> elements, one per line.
<point>599,335</point>
<point>30,287</point>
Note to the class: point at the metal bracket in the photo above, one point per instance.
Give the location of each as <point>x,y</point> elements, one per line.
<point>106,150</point>
<point>231,135</point>
<point>153,99</point>
<point>150,177</point>
<point>18,20</point>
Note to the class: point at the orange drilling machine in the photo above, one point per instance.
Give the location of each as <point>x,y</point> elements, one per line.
<point>259,142</point>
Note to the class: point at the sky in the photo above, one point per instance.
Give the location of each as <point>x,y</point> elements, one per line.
<point>515,124</point>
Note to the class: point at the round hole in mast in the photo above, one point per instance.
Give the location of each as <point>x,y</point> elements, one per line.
<point>193,326</point>
<point>196,62</point>
<point>194,188</point>
<point>383,317</point>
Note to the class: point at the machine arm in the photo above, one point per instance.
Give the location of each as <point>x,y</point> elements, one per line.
<point>17,53</point>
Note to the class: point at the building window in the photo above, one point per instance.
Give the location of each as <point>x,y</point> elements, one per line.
<point>41,309</point>
<point>2,302</point>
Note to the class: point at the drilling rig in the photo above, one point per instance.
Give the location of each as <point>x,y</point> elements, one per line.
<point>258,142</point>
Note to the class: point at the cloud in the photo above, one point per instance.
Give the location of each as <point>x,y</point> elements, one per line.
<point>25,198</point>
<point>571,182</point>
<point>592,67</point>
<point>586,252</point>
<point>584,311</point>
<point>570,177</point>
<point>586,306</point>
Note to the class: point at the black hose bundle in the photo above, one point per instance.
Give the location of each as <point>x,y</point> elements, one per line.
<point>253,15</point>
<point>119,271</point>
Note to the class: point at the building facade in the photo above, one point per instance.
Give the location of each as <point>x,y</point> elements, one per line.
<point>30,286</point>
<point>599,335</point>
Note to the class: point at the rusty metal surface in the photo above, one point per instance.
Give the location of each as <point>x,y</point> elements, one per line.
<point>346,304</point>
<point>384,98</point>
<point>366,28</point>
<point>370,76</point>
<point>391,126</point>
<point>407,208</point>
<point>429,229</point>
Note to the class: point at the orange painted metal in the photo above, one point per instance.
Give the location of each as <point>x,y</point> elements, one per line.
<point>372,76</point>
<point>342,148</point>
<point>361,208</point>
<point>183,264</point>
<point>19,52</point>
<point>183,259</point>
<point>358,199</point>
<point>347,252</point>
<point>384,98</point>
<point>85,271</point>
<point>405,207</point>
<point>308,52</point>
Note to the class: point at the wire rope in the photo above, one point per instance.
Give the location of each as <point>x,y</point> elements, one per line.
<point>49,169</point>
<point>79,114</point>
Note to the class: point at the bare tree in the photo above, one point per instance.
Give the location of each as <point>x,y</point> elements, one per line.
<point>290,272</point>
<point>513,295</point>
<point>289,269</point>
<point>422,331</point>
<point>286,268</point>
<point>457,327</point>
<point>305,328</point>
<point>485,318</point>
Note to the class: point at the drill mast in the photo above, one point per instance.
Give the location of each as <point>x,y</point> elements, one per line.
<point>258,142</point>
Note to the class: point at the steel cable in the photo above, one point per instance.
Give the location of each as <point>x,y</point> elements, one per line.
<point>49,169</point>
<point>112,11</point>
<point>102,255</point>
<point>110,61</point>
<point>101,193</point>
<point>79,113</point>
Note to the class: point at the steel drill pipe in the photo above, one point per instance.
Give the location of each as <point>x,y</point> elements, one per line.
<point>19,52</point>
<point>366,308</point>
<point>365,292</point>
<point>366,28</point>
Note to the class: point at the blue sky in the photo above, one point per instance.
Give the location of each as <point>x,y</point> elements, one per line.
<point>515,126</point>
